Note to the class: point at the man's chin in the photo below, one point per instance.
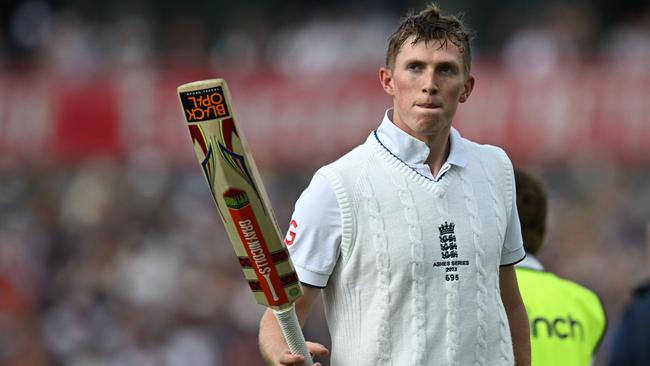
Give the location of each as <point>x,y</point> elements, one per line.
<point>431,119</point>
<point>432,126</point>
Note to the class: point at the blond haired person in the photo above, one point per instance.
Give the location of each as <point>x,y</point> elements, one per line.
<point>412,236</point>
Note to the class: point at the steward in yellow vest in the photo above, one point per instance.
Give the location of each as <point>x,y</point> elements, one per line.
<point>567,320</point>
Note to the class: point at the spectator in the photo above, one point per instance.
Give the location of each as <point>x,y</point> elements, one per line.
<point>632,340</point>
<point>567,320</point>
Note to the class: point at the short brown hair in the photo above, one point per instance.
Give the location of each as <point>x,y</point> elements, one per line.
<point>429,25</point>
<point>532,208</point>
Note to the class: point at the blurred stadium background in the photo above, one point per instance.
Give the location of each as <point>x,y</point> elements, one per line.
<point>111,252</point>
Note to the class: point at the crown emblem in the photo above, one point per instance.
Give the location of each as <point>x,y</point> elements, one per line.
<point>446,228</point>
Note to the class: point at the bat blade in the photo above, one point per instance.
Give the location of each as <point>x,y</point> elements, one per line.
<point>238,192</point>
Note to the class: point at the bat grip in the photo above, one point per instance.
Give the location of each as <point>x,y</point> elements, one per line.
<point>288,321</point>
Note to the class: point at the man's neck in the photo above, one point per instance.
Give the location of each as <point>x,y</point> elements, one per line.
<point>439,147</point>
<point>438,143</point>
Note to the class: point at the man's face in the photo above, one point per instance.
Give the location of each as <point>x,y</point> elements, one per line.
<point>426,83</point>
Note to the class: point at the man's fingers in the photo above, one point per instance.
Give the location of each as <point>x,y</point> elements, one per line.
<point>317,349</point>
<point>290,359</point>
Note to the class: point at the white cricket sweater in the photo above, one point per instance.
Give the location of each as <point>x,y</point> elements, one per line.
<point>417,280</point>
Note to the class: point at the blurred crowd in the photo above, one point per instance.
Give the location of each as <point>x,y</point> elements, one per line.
<point>125,262</point>
<point>534,36</point>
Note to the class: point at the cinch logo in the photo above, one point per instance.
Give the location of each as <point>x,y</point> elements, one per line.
<point>205,104</point>
<point>559,327</point>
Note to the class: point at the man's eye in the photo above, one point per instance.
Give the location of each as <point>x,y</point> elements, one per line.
<point>414,67</point>
<point>447,69</point>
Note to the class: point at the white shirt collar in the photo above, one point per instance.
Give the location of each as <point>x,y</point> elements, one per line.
<point>414,152</point>
<point>530,262</point>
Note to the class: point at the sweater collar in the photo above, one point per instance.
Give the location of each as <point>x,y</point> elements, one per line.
<point>414,152</point>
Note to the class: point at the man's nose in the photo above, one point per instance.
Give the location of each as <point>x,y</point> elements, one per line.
<point>430,86</point>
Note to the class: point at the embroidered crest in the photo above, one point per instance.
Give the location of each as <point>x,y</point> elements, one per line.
<point>448,245</point>
<point>449,252</point>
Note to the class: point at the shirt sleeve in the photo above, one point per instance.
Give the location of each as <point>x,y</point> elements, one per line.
<point>314,235</point>
<point>513,245</point>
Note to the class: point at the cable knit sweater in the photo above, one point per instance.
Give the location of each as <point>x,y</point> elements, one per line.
<point>417,280</point>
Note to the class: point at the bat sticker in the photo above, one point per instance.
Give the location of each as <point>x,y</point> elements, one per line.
<point>204,104</point>
<point>254,242</point>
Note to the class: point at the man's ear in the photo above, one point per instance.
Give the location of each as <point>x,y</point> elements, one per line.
<point>467,89</point>
<point>386,79</point>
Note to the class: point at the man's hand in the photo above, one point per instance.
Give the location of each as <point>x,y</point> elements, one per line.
<point>274,348</point>
<point>289,359</point>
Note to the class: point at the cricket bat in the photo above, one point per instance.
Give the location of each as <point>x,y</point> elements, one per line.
<point>243,204</point>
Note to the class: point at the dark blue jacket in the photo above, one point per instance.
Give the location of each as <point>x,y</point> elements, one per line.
<point>632,339</point>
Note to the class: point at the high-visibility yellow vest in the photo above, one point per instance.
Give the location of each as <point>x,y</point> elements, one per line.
<point>567,321</point>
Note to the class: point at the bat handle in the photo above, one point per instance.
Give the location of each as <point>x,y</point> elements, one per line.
<point>288,321</point>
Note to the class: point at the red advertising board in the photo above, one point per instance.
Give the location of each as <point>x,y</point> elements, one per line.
<point>580,115</point>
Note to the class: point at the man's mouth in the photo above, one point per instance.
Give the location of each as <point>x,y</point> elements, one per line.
<point>428,105</point>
